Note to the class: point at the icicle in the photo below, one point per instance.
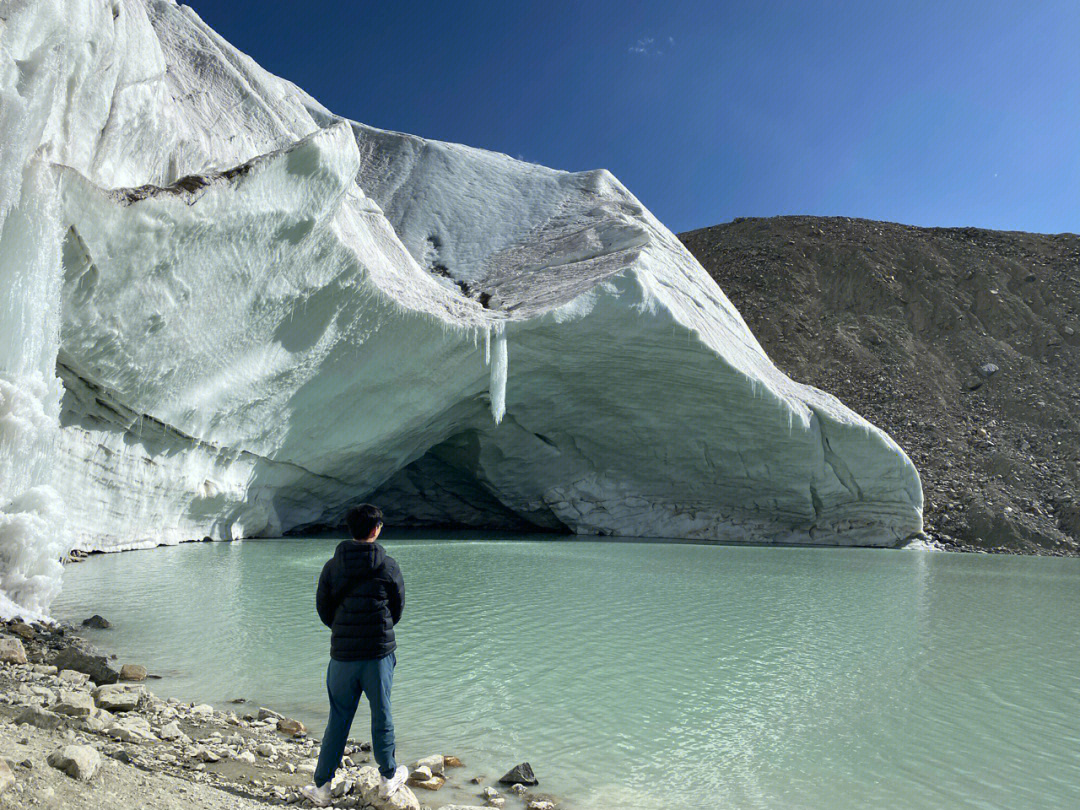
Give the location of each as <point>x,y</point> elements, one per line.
<point>497,386</point>
<point>487,346</point>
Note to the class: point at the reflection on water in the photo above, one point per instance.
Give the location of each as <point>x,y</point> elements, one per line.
<point>639,676</point>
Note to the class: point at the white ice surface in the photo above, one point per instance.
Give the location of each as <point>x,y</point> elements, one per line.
<point>227,312</point>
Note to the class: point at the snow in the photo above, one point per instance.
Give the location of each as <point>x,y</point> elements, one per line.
<point>227,312</point>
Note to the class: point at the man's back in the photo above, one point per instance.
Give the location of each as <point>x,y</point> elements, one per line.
<point>360,598</point>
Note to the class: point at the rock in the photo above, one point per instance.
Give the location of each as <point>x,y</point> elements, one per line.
<point>171,731</point>
<point>294,728</point>
<point>269,714</point>
<point>74,704</point>
<point>988,369</point>
<point>452,761</point>
<point>133,672</point>
<point>367,786</point>
<point>70,676</point>
<point>12,651</point>
<point>434,783</point>
<point>7,778</point>
<point>490,793</point>
<point>520,775</point>
<point>435,763</point>
<point>421,773</point>
<point>77,761</point>
<point>265,750</point>
<point>39,718</point>
<point>97,622</point>
<point>204,754</point>
<point>540,804</point>
<point>23,630</point>
<point>307,766</point>
<point>249,758</point>
<point>518,790</point>
<point>342,787</point>
<point>119,697</point>
<point>463,807</point>
<point>203,710</point>
<point>131,728</point>
<point>96,666</point>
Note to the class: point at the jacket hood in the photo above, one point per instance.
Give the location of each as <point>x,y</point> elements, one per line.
<point>354,560</point>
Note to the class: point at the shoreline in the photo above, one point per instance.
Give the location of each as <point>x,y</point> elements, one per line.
<point>76,733</point>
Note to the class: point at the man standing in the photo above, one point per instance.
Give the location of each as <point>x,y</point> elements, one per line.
<point>360,597</point>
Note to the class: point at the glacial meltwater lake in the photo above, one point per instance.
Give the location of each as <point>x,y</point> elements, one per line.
<point>652,676</point>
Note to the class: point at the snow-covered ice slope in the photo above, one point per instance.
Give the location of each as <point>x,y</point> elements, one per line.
<point>227,312</point>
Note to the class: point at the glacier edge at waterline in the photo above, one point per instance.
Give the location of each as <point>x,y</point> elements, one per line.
<point>227,312</point>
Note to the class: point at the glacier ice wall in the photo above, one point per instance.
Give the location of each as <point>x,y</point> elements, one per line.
<point>227,312</point>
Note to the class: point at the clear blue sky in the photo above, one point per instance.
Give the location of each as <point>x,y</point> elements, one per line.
<point>928,113</point>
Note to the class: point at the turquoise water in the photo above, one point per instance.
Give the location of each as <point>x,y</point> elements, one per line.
<point>653,676</point>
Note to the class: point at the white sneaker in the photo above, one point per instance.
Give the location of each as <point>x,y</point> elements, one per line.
<point>319,796</point>
<point>390,786</point>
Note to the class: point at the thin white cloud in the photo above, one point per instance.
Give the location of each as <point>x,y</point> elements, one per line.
<point>645,47</point>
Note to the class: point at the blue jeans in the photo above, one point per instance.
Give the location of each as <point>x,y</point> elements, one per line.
<point>345,682</point>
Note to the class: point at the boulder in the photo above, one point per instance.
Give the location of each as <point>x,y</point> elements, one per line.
<point>97,622</point>
<point>367,786</point>
<point>521,774</point>
<point>7,778</point>
<point>294,728</point>
<point>435,763</point>
<point>12,651</point>
<point>23,630</point>
<point>265,750</point>
<point>39,718</point>
<point>74,704</point>
<point>171,731</point>
<point>119,697</point>
<point>203,710</point>
<point>131,728</point>
<point>133,672</point>
<point>77,761</point>
<point>96,666</point>
<point>249,758</point>
<point>70,676</point>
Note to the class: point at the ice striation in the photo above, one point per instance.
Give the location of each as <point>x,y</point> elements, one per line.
<point>228,312</point>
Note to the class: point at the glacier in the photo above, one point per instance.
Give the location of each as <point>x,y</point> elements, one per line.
<point>226,312</point>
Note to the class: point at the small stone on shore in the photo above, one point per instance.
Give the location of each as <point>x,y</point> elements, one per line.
<point>74,703</point>
<point>436,763</point>
<point>7,778</point>
<point>12,651</point>
<point>294,728</point>
<point>77,761</point>
<point>133,672</point>
<point>118,697</point>
<point>521,774</point>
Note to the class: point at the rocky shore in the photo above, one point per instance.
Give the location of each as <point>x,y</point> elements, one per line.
<point>77,733</point>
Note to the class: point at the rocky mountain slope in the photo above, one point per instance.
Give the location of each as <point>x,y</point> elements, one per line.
<point>963,344</point>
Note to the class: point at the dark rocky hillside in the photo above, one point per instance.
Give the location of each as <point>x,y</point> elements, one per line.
<point>964,344</point>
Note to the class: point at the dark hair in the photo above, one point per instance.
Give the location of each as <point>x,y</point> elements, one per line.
<point>362,520</point>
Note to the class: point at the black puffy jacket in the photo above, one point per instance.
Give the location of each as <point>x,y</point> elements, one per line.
<point>360,598</point>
